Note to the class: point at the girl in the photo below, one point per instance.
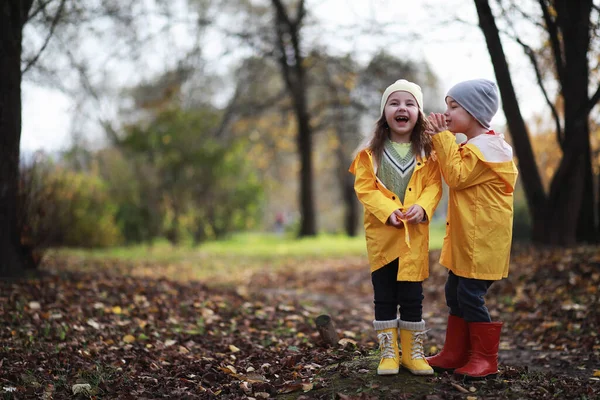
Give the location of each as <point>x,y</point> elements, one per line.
<point>481,176</point>
<point>399,184</point>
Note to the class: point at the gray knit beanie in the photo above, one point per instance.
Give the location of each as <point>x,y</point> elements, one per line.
<point>479,97</point>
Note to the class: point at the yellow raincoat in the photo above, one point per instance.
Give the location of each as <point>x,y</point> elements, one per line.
<point>481,176</point>
<point>385,243</point>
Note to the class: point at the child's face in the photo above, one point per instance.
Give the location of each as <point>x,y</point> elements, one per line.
<point>401,114</point>
<point>457,118</point>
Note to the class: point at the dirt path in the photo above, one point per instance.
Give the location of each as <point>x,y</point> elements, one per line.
<point>546,329</point>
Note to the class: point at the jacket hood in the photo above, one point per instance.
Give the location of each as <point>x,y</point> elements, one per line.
<point>498,155</point>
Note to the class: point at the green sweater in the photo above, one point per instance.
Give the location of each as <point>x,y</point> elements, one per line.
<point>396,170</point>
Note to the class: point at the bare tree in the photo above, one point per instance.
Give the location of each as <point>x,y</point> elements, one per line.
<point>12,19</point>
<point>290,57</point>
<point>566,214</point>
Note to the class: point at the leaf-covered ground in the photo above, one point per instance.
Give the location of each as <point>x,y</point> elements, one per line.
<point>116,330</point>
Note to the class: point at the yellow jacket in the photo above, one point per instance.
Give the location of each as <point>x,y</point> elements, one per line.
<point>481,176</point>
<point>385,243</point>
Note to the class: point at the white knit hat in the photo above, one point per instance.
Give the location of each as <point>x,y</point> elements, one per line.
<point>405,86</point>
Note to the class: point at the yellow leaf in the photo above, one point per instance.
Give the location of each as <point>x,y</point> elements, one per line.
<point>230,369</point>
<point>129,338</point>
<point>346,341</point>
<point>233,349</point>
<point>597,373</point>
<point>117,310</point>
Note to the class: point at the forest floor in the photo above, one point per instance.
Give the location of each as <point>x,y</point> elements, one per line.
<point>114,329</point>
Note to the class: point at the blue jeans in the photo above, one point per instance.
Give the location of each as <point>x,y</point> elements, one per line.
<point>464,296</point>
<point>390,293</point>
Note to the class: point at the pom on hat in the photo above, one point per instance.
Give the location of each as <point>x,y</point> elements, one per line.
<point>405,86</point>
<point>479,97</point>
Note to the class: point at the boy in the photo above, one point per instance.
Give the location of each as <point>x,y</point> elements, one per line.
<point>481,176</point>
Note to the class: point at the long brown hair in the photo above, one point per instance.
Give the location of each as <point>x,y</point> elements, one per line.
<point>420,141</point>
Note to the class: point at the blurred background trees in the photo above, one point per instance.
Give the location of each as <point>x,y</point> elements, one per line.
<point>171,141</point>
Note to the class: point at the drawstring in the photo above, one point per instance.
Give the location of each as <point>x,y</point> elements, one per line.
<point>417,345</point>
<point>385,344</point>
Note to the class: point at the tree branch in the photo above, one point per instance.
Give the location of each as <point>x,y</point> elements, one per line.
<point>281,12</point>
<point>300,14</point>
<point>25,8</point>
<point>593,101</point>
<point>282,52</point>
<point>552,29</point>
<point>48,36</point>
<point>538,74</point>
<point>38,10</point>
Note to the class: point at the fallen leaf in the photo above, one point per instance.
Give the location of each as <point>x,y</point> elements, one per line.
<point>129,338</point>
<point>255,378</point>
<point>346,341</point>
<point>81,388</point>
<point>93,324</point>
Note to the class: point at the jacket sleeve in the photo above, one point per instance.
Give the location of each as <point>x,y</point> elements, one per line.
<point>432,191</point>
<point>365,186</point>
<point>460,172</point>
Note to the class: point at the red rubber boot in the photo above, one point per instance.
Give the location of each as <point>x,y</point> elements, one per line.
<point>455,353</point>
<point>483,361</point>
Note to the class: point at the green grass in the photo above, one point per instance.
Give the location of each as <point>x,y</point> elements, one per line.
<point>251,245</point>
<point>232,259</point>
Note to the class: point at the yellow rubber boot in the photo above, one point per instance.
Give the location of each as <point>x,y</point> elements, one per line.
<point>412,335</point>
<point>387,335</point>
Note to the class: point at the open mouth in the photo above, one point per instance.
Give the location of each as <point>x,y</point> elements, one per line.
<point>401,119</point>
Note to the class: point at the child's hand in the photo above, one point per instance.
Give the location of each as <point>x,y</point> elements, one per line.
<point>415,214</point>
<point>395,219</point>
<point>437,123</point>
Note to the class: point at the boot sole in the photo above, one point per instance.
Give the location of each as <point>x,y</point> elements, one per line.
<point>388,372</point>
<point>420,373</point>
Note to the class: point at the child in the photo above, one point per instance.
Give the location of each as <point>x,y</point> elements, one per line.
<point>399,184</point>
<point>481,175</point>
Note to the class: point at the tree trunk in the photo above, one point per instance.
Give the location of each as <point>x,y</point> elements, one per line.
<point>13,260</point>
<point>587,226</point>
<point>346,182</point>
<point>570,209</point>
<point>351,206</point>
<point>293,69</point>
<point>308,225</point>
<point>532,183</point>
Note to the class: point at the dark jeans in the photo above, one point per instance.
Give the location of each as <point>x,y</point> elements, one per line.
<point>464,296</point>
<point>391,293</point>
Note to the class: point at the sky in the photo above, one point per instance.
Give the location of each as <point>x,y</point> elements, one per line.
<point>455,51</point>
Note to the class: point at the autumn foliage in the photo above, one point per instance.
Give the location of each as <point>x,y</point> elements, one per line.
<point>117,329</point>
